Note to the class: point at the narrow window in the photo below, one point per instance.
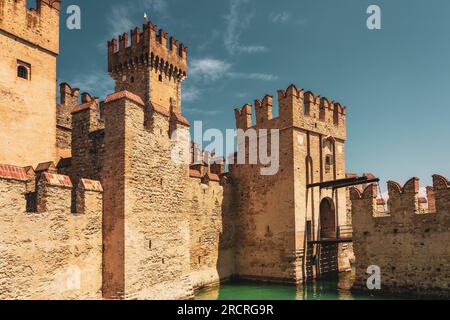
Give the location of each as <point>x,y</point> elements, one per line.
<point>328,163</point>
<point>160,78</point>
<point>23,70</point>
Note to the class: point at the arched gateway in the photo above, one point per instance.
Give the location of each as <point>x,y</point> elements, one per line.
<point>327,219</point>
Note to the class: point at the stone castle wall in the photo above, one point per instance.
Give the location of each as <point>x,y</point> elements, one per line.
<point>145,218</point>
<point>68,101</point>
<point>165,228</point>
<point>277,214</point>
<point>28,38</point>
<point>87,140</point>
<point>211,209</point>
<point>409,246</point>
<point>50,253</point>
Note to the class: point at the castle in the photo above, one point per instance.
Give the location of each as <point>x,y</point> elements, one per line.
<point>92,205</point>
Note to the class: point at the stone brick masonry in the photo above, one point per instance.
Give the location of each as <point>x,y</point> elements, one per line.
<point>50,253</point>
<point>410,247</point>
<point>29,38</point>
<point>117,218</point>
<point>277,215</point>
<point>165,228</point>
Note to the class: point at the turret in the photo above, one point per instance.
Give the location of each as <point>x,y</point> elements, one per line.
<point>264,109</point>
<point>152,66</point>
<point>68,95</point>
<point>297,108</point>
<point>243,117</point>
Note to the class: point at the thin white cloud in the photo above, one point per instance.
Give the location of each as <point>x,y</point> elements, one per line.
<point>253,76</point>
<point>211,69</point>
<point>204,71</point>
<point>120,16</point>
<point>197,111</point>
<point>190,94</point>
<point>238,19</point>
<point>208,68</point>
<point>119,21</point>
<point>98,83</point>
<point>281,17</point>
<point>241,95</point>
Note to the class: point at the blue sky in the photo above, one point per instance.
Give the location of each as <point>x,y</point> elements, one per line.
<point>394,81</point>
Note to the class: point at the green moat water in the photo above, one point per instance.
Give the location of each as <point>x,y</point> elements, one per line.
<point>336,287</point>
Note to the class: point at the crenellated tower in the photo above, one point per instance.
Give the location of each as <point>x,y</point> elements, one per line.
<point>149,64</point>
<point>145,220</point>
<point>280,215</point>
<point>27,81</point>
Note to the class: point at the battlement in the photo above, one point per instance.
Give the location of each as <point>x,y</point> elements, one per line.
<point>296,108</point>
<point>407,243</point>
<point>404,201</point>
<point>38,25</point>
<point>68,96</point>
<point>156,118</point>
<point>206,166</point>
<point>149,47</point>
<point>51,191</point>
<point>40,231</point>
<point>87,103</point>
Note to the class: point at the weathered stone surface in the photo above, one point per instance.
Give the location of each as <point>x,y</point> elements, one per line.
<point>166,228</point>
<point>212,227</point>
<point>147,250</point>
<point>28,38</point>
<point>408,245</point>
<point>53,254</point>
<point>277,214</point>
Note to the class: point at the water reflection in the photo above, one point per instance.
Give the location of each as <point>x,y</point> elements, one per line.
<point>337,287</point>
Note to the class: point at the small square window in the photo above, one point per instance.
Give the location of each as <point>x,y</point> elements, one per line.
<point>23,70</point>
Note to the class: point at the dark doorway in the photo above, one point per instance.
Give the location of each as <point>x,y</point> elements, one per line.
<point>327,219</point>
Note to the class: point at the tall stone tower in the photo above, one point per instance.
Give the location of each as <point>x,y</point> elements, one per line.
<point>152,67</point>
<point>145,223</point>
<point>30,39</point>
<point>279,216</point>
